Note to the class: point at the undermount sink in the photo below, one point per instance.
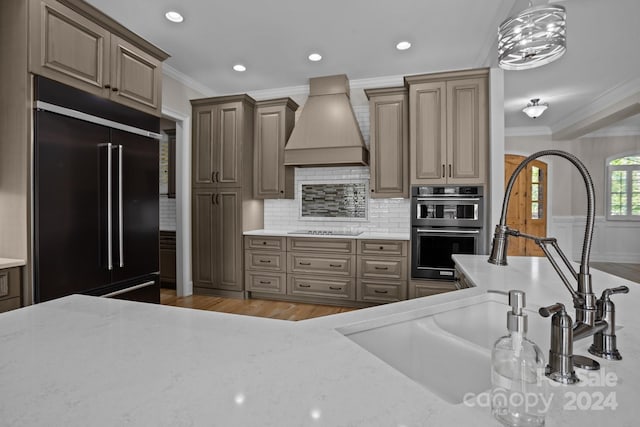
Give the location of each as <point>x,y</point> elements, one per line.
<point>447,351</point>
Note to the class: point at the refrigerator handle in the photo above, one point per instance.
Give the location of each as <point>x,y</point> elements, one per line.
<point>120,209</point>
<point>109,207</point>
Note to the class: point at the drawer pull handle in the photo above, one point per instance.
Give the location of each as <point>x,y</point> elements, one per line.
<point>265,261</point>
<point>378,291</point>
<point>265,282</point>
<point>335,288</point>
<point>335,265</point>
<point>302,285</point>
<point>304,263</point>
<point>381,268</point>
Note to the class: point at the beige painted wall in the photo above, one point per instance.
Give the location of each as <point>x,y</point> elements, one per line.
<point>176,95</point>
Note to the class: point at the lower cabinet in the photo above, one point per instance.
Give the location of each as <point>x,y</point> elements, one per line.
<point>424,288</point>
<point>326,270</point>
<point>10,283</point>
<point>168,259</point>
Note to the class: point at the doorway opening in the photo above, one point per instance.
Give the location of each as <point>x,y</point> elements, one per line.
<point>167,190</point>
<point>527,210</point>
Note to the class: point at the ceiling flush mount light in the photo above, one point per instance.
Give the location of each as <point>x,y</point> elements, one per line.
<point>239,68</point>
<point>315,57</point>
<point>404,45</point>
<point>534,109</point>
<point>535,37</point>
<point>174,16</point>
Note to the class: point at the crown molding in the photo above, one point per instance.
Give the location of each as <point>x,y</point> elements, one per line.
<point>191,83</point>
<point>527,131</point>
<point>614,131</point>
<point>609,107</point>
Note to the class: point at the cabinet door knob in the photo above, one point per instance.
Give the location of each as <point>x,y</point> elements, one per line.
<point>107,86</point>
<point>114,89</point>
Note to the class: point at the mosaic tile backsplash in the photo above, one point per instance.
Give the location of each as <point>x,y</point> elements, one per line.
<point>334,200</point>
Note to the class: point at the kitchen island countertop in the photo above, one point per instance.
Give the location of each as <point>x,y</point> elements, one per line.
<point>9,262</point>
<point>87,361</point>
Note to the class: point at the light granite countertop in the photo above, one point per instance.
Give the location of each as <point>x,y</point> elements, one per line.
<point>9,262</point>
<point>362,236</point>
<point>88,361</point>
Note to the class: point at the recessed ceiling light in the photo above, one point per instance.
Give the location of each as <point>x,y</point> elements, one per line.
<point>174,16</point>
<point>403,45</point>
<point>315,57</point>
<point>240,68</point>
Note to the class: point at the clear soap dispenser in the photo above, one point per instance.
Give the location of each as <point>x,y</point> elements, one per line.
<point>518,394</point>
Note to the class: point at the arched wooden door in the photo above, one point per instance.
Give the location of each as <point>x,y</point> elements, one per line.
<point>528,205</point>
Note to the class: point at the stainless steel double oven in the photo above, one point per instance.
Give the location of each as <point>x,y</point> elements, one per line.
<point>445,220</point>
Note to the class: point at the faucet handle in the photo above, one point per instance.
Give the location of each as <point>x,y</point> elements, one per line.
<point>549,310</point>
<point>611,291</point>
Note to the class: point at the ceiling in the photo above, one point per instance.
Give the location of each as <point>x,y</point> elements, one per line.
<point>358,37</point>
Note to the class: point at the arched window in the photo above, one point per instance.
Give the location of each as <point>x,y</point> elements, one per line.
<point>623,188</point>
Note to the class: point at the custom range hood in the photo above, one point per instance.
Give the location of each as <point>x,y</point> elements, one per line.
<point>327,132</point>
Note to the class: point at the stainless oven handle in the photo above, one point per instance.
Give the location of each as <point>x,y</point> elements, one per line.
<point>446,199</point>
<point>421,230</point>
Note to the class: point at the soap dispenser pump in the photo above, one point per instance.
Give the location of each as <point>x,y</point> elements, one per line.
<point>518,394</point>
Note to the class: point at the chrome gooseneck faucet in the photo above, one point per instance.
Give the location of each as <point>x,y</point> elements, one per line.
<point>590,318</point>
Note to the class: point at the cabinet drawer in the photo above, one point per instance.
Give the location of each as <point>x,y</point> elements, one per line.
<point>381,291</point>
<point>10,283</point>
<point>258,281</point>
<point>319,244</point>
<point>265,260</point>
<point>388,268</point>
<point>265,243</point>
<point>382,247</point>
<point>341,265</point>
<point>331,287</point>
<point>9,304</point>
<point>425,288</point>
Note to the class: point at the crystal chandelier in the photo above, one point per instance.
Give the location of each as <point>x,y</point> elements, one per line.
<point>535,37</point>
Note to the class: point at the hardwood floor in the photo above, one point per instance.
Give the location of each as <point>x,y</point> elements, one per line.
<point>627,271</point>
<point>283,310</point>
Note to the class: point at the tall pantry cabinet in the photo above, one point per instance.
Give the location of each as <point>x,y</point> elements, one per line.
<point>222,193</point>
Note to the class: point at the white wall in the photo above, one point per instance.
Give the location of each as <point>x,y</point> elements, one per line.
<point>176,106</point>
<point>613,241</point>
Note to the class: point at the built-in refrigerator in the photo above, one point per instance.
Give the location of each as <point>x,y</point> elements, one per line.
<point>95,196</point>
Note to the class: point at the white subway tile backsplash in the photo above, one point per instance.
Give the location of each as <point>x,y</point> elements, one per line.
<point>167,213</point>
<point>385,215</point>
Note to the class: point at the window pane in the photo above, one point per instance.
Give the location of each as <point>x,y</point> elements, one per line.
<point>635,204</point>
<point>618,182</point>
<point>618,204</point>
<point>535,210</point>
<point>629,160</point>
<point>535,174</point>
<point>635,181</point>
<point>535,188</point>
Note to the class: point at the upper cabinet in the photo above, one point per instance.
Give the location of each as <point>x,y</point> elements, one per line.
<point>222,141</point>
<point>274,120</point>
<point>448,138</point>
<point>389,142</point>
<point>77,45</point>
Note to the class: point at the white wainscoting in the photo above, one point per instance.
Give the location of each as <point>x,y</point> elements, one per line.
<point>613,241</point>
